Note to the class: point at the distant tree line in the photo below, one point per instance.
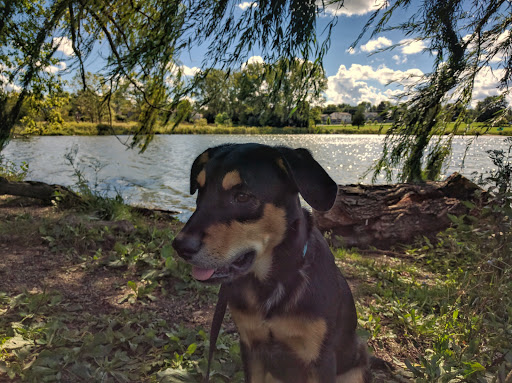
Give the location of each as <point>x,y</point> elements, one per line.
<point>244,97</point>
<point>485,110</point>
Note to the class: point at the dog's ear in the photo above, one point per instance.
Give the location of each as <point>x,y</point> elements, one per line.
<point>313,182</point>
<point>197,166</point>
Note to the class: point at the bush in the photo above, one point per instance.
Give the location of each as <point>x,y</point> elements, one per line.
<point>201,123</point>
<point>223,119</point>
<point>103,129</point>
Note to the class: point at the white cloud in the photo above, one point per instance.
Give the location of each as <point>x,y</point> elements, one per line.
<point>188,71</point>
<point>56,68</point>
<point>255,59</point>
<point>351,7</point>
<point>375,44</point>
<point>352,85</point>
<point>64,45</point>
<point>364,83</point>
<point>247,4</point>
<point>351,51</point>
<point>252,60</point>
<point>400,60</point>
<point>182,69</point>
<point>8,86</point>
<point>410,46</point>
<point>499,58</point>
<point>486,84</point>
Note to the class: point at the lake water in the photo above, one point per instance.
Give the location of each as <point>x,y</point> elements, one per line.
<point>160,176</point>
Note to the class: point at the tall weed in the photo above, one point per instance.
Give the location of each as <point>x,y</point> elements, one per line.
<point>93,199</point>
<point>11,171</point>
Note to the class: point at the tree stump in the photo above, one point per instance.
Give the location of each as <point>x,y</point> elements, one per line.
<point>384,215</point>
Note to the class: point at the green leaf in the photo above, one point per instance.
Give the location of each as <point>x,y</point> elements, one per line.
<point>191,349</point>
<point>132,285</point>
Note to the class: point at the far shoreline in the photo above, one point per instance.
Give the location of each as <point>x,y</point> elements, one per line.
<point>128,128</point>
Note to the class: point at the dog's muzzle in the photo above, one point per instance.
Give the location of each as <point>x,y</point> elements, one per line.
<point>188,246</point>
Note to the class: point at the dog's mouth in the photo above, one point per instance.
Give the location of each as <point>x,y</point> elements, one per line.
<point>235,269</point>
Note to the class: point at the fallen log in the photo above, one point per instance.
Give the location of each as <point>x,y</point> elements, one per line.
<point>38,190</point>
<point>384,215</point>
<point>66,196</point>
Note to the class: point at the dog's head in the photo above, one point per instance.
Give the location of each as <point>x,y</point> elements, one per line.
<point>247,199</point>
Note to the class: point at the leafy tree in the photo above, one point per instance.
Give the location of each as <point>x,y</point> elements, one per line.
<point>145,39</point>
<point>331,108</point>
<point>40,111</point>
<point>347,108</point>
<point>465,38</point>
<point>358,119</point>
<point>249,96</point>
<point>316,114</point>
<point>183,111</point>
<point>223,119</point>
<point>213,92</point>
<point>490,108</point>
<point>92,103</point>
<point>384,109</point>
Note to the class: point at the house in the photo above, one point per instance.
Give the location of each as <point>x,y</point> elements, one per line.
<point>373,116</point>
<point>196,116</point>
<point>340,118</point>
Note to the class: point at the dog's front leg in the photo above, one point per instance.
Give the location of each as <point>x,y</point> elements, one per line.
<point>324,370</point>
<point>254,370</point>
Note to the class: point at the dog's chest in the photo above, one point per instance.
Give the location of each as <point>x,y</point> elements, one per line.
<point>292,332</point>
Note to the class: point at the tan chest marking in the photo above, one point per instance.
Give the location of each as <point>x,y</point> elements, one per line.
<point>304,336</point>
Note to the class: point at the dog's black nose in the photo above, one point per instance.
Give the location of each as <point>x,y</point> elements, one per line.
<point>186,245</point>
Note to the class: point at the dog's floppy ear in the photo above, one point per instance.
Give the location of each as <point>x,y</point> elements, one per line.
<point>197,166</point>
<point>313,182</point>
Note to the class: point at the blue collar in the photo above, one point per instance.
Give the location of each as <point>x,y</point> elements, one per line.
<point>305,250</point>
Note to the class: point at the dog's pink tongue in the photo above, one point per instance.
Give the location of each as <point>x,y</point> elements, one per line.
<point>202,274</point>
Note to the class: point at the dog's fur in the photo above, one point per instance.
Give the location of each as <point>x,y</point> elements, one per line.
<point>292,307</point>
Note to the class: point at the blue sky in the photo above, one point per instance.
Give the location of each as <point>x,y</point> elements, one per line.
<point>354,76</point>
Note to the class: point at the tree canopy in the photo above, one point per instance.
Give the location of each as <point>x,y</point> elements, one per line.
<point>465,38</point>
<point>145,39</point>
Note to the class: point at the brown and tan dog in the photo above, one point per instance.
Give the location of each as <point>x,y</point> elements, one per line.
<point>292,307</point>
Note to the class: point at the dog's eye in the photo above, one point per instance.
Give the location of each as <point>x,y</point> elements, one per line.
<point>242,197</point>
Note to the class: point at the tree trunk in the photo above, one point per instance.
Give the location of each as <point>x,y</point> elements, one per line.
<point>38,190</point>
<point>384,215</point>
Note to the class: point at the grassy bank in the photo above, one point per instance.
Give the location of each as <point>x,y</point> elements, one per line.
<point>91,129</point>
<point>94,294</point>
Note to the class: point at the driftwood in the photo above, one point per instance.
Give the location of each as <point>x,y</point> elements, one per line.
<point>384,215</point>
<point>38,190</point>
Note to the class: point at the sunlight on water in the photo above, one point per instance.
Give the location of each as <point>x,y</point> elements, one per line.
<point>160,176</point>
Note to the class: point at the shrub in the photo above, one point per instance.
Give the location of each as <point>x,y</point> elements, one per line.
<point>201,123</point>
